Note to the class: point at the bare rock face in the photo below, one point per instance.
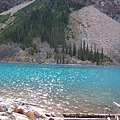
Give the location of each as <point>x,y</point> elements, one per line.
<point>98,29</point>
<point>9,51</point>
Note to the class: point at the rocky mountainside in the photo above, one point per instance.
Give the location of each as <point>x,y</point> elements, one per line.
<point>97,29</point>
<point>55,31</point>
<point>7,4</point>
<point>109,7</point>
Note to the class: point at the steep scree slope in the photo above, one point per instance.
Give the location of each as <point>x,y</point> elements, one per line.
<point>98,29</point>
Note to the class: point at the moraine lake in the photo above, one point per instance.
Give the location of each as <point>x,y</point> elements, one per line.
<point>62,88</point>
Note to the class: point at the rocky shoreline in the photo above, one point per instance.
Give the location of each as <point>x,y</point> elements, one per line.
<point>19,110</point>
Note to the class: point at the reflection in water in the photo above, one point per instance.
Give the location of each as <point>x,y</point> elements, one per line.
<point>62,88</point>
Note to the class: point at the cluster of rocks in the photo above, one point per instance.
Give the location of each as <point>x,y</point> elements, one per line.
<point>19,110</point>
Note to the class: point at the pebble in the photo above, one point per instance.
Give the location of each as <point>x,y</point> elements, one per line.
<point>3,108</point>
<point>4,118</point>
<point>1,99</point>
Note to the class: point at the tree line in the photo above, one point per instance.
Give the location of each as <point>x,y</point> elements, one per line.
<point>83,52</point>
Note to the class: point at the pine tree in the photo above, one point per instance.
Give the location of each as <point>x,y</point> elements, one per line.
<point>74,49</point>
<point>60,59</point>
<point>84,50</point>
<point>91,54</point>
<point>102,55</point>
<point>87,53</point>
<point>56,50</point>
<point>95,54</point>
<point>78,53</point>
<point>70,49</point>
<point>63,58</point>
<point>67,61</point>
<point>97,58</point>
<point>81,52</point>
<point>63,48</point>
<point>42,38</point>
<point>66,49</point>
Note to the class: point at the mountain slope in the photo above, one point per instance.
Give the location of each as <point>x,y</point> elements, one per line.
<point>40,33</point>
<point>97,29</point>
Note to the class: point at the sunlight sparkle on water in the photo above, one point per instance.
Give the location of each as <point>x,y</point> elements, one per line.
<point>62,88</point>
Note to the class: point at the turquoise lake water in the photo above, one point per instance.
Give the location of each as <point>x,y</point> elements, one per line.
<point>63,88</point>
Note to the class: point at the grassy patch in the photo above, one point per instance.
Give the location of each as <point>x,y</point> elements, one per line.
<point>4,18</point>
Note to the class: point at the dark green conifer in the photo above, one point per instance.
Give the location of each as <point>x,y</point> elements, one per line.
<point>70,49</point>
<point>74,49</point>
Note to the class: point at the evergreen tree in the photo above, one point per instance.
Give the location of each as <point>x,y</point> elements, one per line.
<point>91,54</point>
<point>67,61</point>
<point>63,58</point>
<point>84,51</point>
<point>81,52</point>
<point>63,48</point>
<point>78,53</point>
<point>66,49</point>
<point>70,49</point>
<point>56,50</point>
<point>102,55</point>
<point>74,49</point>
<point>60,59</point>
<point>95,54</point>
<point>57,61</point>
<point>87,53</point>
<point>97,58</point>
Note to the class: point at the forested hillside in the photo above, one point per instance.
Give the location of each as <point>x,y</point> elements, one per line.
<point>48,20</point>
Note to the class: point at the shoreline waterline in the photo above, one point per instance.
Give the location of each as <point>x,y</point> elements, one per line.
<point>35,63</point>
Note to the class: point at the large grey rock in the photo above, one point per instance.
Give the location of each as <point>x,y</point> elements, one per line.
<point>9,51</point>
